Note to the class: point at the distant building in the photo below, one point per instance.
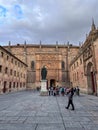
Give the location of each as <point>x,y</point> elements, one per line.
<point>66,64</point>
<point>55,58</point>
<point>13,72</point>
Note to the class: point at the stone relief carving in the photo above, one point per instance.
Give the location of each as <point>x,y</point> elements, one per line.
<point>87,54</point>
<point>50,64</point>
<point>48,57</point>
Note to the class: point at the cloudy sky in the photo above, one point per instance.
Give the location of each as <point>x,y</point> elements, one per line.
<point>46,20</point>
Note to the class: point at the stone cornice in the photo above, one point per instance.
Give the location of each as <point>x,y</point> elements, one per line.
<point>44,45</point>
<point>12,55</point>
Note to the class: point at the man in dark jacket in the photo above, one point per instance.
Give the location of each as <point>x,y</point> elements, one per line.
<point>70,98</point>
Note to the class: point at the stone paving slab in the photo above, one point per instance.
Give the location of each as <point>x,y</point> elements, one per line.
<point>17,127</point>
<point>75,128</point>
<point>91,127</point>
<point>44,120</point>
<point>27,110</point>
<point>75,119</point>
<point>51,126</point>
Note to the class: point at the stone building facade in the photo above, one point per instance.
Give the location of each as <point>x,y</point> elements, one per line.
<point>56,58</point>
<point>66,64</point>
<point>84,67</point>
<point>13,72</point>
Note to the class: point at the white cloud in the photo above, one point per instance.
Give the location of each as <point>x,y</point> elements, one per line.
<point>47,20</point>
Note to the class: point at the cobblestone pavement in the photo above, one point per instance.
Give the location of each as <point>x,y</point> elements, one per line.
<point>27,110</point>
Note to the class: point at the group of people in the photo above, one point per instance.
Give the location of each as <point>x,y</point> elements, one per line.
<point>68,91</point>
<point>56,91</point>
<point>62,91</point>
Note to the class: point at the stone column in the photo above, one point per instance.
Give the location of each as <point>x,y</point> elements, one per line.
<point>44,91</point>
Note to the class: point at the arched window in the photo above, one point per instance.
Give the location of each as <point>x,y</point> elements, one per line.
<point>63,65</point>
<point>32,65</point>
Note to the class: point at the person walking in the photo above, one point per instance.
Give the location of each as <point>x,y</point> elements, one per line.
<point>70,99</point>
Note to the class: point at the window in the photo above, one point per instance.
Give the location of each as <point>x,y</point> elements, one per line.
<point>6,70</point>
<point>63,65</point>
<point>32,65</point>
<point>14,85</point>
<point>11,72</point>
<point>0,68</point>
<point>77,76</point>
<point>7,57</point>
<point>14,73</point>
<point>77,63</point>
<point>10,85</point>
<point>24,76</point>
<point>12,60</point>
<point>21,75</point>
<point>15,62</point>
<point>17,84</point>
<point>18,64</point>
<point>74,65</point>
<point>17,74</point>
<point>2,54</point>
<point>80,61</point>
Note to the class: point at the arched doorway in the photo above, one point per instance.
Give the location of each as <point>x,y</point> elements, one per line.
<point>52,82</point>
<point>90,79</point>
<point>4,88</point>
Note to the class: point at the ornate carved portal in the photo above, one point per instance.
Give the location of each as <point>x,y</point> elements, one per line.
<point>87,53</point>
<point>91,79</point>
<point>53,64</point>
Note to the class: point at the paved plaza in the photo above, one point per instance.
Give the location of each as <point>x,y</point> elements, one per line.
<point>27,110</point>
